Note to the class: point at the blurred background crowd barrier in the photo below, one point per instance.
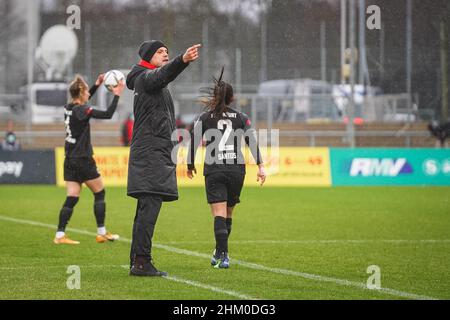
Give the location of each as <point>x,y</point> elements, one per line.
<point>335,73</point>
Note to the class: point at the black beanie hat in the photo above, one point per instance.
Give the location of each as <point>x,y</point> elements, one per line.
<point>148,49</point>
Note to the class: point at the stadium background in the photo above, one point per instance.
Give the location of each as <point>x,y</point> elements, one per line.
<point>327,211</point>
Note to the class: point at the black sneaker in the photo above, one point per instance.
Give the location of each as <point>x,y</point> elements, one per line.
<point>145,269</point>
<point>215,257</point>
<point>223,262</point>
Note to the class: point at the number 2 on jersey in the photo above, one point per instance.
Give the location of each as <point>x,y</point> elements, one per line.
<point>229,127</point>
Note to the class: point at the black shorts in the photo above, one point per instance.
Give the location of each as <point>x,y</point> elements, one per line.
<point>80,169</point>
<point>221,187</point>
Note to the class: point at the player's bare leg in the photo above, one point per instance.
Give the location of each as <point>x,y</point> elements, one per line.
<point>95,185</point>
<point>73,190</point>
<point>97,188</point>
<point>219,209</point>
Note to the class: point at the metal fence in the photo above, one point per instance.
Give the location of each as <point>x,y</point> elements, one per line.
<point>30,139</point>
<point>407,137</point>
<point>283,111</point>
<point>317,108</point>
<point>270,108</point>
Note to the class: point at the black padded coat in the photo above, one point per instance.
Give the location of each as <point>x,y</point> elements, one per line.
<point>151,169</point>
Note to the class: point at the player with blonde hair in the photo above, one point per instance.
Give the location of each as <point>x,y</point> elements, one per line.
<point>79,165</point>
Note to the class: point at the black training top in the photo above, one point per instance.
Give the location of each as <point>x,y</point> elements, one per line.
<point>151,169</point>
<point>78,133</point>
<point>223,142</point>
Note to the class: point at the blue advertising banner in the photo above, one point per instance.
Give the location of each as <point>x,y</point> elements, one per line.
<point>27,167</point>
<point>390,166</point>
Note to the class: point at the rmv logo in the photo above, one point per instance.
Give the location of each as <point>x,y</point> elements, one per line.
<point>385,167</point>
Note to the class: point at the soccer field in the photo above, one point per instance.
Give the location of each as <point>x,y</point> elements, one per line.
<point>286,243</point>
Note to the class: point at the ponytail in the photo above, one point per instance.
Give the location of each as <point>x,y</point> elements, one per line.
<point>77,87</point>
<point>219,97</point>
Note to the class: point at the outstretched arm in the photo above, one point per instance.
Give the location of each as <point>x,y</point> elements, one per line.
<point>97,84</point>
<point>159,78</point>
<point>101,114</point>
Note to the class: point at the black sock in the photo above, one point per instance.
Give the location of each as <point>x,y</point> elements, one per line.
<point>100,208</point>
<point>229,222</point>
<point>221,234</point>
<point>66,212</point>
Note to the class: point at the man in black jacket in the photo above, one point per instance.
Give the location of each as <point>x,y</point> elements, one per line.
<point>151,172</point>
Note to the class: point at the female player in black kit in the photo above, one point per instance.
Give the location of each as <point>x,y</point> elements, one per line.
<point>79,165</point>
<point>224,168</point>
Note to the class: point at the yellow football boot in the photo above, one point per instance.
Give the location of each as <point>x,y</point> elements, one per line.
<point>106,237</point>
<point>64,240</point>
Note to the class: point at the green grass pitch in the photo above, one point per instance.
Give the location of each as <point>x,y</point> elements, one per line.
<point>286,243</point>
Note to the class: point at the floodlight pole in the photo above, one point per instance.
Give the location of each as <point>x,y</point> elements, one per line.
<point>444,66</point>
<point>205,54</point>
<point>351,105</point>
<point>362,43</point>
<point>409,54</point>
<point>323,51</point>
<point>88,50</point>
<point>343,37</point>
<point>238,71</point>
<point>263,70</point>
<point>382,44</point>
<point>31,42</point>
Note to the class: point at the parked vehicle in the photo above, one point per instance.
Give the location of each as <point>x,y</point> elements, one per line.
<point>297,100</point>
<point>46,101</point>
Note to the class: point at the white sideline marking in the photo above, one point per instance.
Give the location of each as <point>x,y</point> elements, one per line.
<point>211,288</point>
<point>255,266</point>
<point>303,275</point>
<point>172,278</point>
<point>205,286</point>
<point>338,241</point>
<point>56,267</point>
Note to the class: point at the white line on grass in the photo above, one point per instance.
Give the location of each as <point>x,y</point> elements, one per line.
<point>304,275</point>
<point>40,267</point>
<point>205,286</point>
<point>255,266</point>
<point>172,278</point>
<point>338,241</point>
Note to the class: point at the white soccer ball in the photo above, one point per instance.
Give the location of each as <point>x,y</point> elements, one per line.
<point>112,79</point>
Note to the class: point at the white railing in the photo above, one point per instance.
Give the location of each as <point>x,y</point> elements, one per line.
<point>312,136</point>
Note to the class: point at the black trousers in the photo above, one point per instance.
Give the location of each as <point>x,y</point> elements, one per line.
<point>147,212</point>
